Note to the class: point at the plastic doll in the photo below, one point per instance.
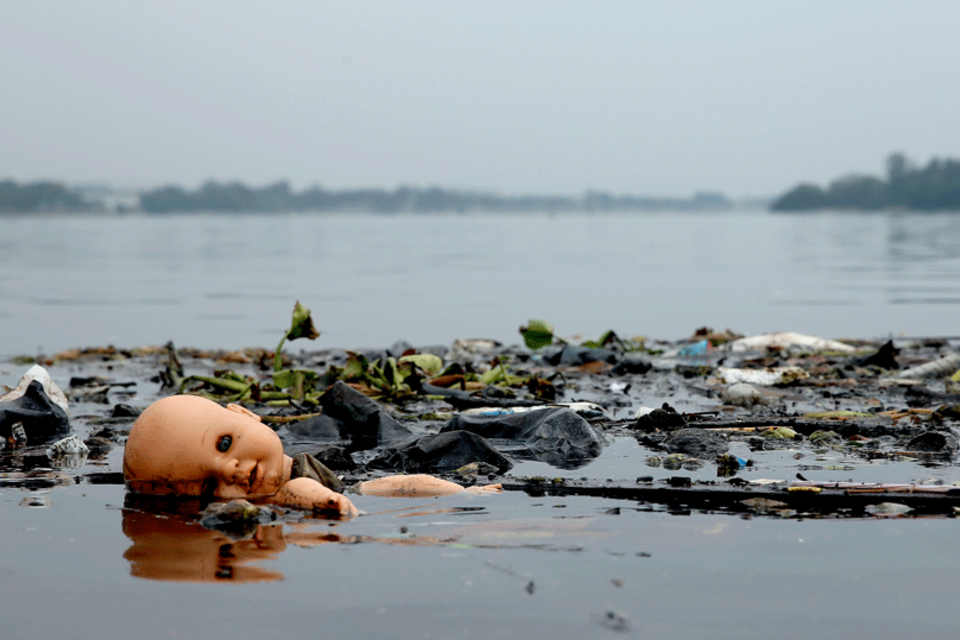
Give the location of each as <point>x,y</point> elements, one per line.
<point>190,446</point>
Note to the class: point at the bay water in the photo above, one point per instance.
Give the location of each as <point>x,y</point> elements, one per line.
<point>230,281</point>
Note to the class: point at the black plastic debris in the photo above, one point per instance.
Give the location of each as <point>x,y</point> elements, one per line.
<point>442,452</point>
<point>312,429</point>
<point>555,435</point>
<point>933,441</point>
<point>883,358</point>
<point>699,443</point>
<point>462,400</point>
<point>42,419</point>
<point>125,411</point>
<point>571,355</point>
<point>360,420</point>
<point>632,363</point>
<point>306,466</point>
<point>98,446</point>
<point>336,458</point>
<point>664,419</point>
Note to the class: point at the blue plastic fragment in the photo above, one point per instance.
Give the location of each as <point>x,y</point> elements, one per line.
<point>696,349</point>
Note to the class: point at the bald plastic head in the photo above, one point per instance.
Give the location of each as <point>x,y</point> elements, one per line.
<point>191,446</point>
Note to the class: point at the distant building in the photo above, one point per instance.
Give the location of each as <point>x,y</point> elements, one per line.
<point>107,198</point>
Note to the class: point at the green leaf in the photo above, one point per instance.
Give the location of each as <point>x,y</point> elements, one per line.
<point>428,363</point>
<point>537,334</point>
<point>302,324</point>
<point>227,383</point>
<point>283,379</point>
<point>390,372</point>
<point>498,375</point>
<point>375,375</point>
<point>356,366</point>
<point>290,378</point>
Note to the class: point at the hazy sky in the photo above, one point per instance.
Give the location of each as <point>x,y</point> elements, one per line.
<point>642,97</point>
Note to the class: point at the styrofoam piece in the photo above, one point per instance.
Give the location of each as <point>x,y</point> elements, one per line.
<point>41,375</point>
<point>789,340</point>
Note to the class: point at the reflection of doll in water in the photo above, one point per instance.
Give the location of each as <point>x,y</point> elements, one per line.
<point>191,446</point>
<point>171,548</point>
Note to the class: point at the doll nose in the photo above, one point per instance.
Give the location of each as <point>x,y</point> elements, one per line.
<point>230,470</point>
<point>244,474</point>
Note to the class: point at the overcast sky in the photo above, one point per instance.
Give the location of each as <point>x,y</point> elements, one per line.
<point>662,98</point>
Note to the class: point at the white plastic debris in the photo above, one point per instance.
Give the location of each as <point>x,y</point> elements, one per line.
<point>939,368</point>
<point>467,349</point>
<point>742,394</point>
<point>18,434</point>
<point>764,482</point>
<point>41,375</point>
<point>69,446</point>
<point>888,509</point>
<point>642,411</point>
<point>763,377</point>
<point>586,410</point>
<point>790,341</point>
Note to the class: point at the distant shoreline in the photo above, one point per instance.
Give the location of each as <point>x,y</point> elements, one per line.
<point>935,187</point>
<point>235,197</point>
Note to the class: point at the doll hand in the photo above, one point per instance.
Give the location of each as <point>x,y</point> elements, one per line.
<point>485,489</point>
<point>339,504</point>
<point>310,494</point>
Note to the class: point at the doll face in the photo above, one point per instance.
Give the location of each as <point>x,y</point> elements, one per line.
<point>191,446</point>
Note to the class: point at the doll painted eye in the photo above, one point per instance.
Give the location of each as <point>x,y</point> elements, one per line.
<point>223,444</point>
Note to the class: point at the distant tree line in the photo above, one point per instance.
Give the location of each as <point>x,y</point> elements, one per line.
<point>930,188</point>
<point>39,196</point>
<point>237,197</point>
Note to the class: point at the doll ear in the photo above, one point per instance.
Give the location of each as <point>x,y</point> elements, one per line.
<point>243,411</point>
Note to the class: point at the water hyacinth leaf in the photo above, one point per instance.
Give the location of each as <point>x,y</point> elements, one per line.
<point>542,389</point>
<point>374,375</point>
<point>499,375</point>
<point>537,334</point>
<point>225,383</point>
<point>427,362</point>
<point>780,433</point>
<point>823,436</point>
<point>290,378</point>
<point>302,324</point>
<point>607,339</point>
<point>391,374</point>
<point>356,366</point>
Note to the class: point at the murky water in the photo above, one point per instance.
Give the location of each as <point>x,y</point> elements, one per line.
<point>507,566</point>
<point>215,281</point>
<point>86,560</point>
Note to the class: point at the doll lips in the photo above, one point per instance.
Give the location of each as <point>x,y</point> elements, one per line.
<point>253,477</point>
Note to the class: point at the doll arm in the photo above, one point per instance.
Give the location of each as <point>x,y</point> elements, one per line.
<point>482,490</point>
<point>305,493</point>
<point>417,486</point>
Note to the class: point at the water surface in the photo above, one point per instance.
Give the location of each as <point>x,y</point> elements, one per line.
<point>508,566</point>
<point>229,281</point>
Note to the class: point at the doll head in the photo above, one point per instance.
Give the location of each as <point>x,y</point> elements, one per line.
<point>191,446</point>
